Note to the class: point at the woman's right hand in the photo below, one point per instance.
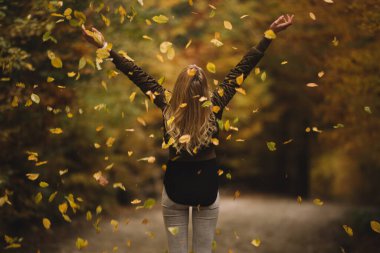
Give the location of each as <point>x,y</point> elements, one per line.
<point>94,37</point>
<point>281,23</point>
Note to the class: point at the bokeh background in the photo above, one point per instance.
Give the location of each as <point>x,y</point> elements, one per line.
<point>299,151</point>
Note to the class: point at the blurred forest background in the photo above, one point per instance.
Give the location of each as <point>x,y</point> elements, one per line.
<point>307,126</point>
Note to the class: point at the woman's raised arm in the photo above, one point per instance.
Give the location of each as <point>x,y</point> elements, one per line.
<point>147,84</point>
<point>227,89</point>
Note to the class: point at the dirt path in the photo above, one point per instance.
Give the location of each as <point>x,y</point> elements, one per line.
<point>280,223</point>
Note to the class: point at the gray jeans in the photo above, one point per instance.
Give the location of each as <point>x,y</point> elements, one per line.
<point>176,217</point>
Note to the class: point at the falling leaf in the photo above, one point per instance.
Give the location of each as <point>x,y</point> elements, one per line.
<point>320,74</point>
<point>119,185</point>
<point>284,62</point>
<point>188,44</point>
<point>335,42</point>
<point>81,243</point>
<point>227,25</point>
<point>367,109</point>
<point>240,79</point>
<point>136,201</point>
<point>110,141</point>
<point>191,71</point>
<point>43,184</point>
<point>211,67</point>
<point>215,141</point>
<point>56,130</point>
<point>263,76</point>
<point>318,202</point>
<point>52,196</point>
<point>270,34</point>
<point>100,178</point>
<point>46,222</point>
<point>161,19</point>
<point>256,242</point>
<point>312,16</point>
<point>56,62</point>
<point>115,224</point>
<point>184,138</point>
<point>311,85</point>
<point>38,198</point>
<point>375,225</point>
<point>216,42</point>
<point>35,98</point>
<point>299,199</point>
<point>348,230</point>
<point>32,176</point>
<point>329,1</point>
<point>173,230</point>
<point>271,145</point>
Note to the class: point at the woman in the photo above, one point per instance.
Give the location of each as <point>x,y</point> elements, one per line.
<point>190,133</point>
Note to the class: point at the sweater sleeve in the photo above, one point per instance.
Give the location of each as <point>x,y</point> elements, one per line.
<point>227,89</point>
<point>147,84</point>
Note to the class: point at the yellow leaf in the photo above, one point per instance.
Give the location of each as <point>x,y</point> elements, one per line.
<point>215,108</point>
<point>227,25</point>
<point>184,138</point>
<point>63,207</point>
<point>263,76</point>
<point>312,16</point>
<point>32,176</point>
<point>46,222</point>
<point>215,141</point>
<point>14,102</point>
<point>335,42</point>
<point>173,230</point>
<point>311,85</point>
<point>119,185</point>
<point>270,34</point>
<point>115,224</point>
<point>348,230</point>
<point>321,73</point>
<point>88,215</point>
<point>35,98</point>
<point>161,19</point>
<point>191,71</point>
<point>188,44</point>
<point>375,226</point>
<point>110,141</point>
<point>211,67</point>
<point>132,96</point>
<point>240,79</point>
<point>170,120</point>
<point>136,201</point>
<point>318,202</point>
<point>56,62</point>
<point>38,198</point>
<point>241,90</point>
<point>105,20</point>
<point>71,74</point>
<point>299,199</point>
<point>56,130</point>
<point>43,184</point>
<point>52,196</point>
<point>81,243</point>
<point>227,125</point>
<point>256,242</point>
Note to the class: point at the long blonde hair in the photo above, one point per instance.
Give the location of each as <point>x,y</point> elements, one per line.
<point>192,119</point>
